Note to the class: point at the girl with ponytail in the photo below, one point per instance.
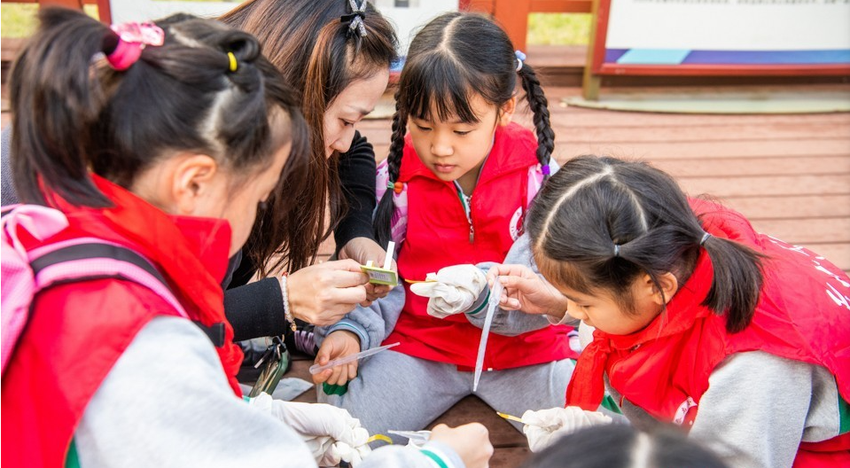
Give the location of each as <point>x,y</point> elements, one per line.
<point>737,337</point>
<point>453,193</point>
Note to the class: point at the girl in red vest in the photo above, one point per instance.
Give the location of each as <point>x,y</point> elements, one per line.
<point>162,139</point>
<point>737,337</point>
<point>454,193</point>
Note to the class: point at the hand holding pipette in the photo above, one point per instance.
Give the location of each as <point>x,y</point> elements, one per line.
<point>527,291</point>
<point>343,361</point>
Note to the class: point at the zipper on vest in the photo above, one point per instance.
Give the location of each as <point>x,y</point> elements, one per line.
<point>465,202</point>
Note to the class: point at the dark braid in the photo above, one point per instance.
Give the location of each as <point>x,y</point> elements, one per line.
<point>384,212</point>
<point>539,106</point>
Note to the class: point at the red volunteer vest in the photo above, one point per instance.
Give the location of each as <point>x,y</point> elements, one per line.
<point>438,235</point>
<point>803,314</point>
<point>76,332</point>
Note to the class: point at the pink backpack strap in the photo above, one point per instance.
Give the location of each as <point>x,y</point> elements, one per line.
<point>89,258</point>
<point>26,273</point>
<point>399,218</point>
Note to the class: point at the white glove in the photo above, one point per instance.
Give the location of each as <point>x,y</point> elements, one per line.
<point>452,290</point>
<point>545,426</point>
<point>330,432</point>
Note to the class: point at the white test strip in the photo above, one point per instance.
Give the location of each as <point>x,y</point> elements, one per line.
<point>388,261</point>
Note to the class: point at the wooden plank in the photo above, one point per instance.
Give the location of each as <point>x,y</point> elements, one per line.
<point>657,150</point>
<point>682,168</point>
<point>588,118</point>
<point>561,6</point>
<point>808,233</point>
<point>791,207</point>
<point>472,409</point>
<point>512,15</point>
<point>669,134</point>
<point>768,185</point>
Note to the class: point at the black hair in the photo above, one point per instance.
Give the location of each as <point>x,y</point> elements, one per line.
<point>453,58</point>
<point>622,446</point>
<point>313,44</point>
<point>74,113</point>
<point>600,223</point>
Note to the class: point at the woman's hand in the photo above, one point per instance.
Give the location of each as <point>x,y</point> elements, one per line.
<point>470,441</point>
<point>361,250</point>
<point>322,294</point>
<point>337,345</point>
<point>525,290</point>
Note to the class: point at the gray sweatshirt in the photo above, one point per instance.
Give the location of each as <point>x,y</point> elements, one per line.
<point>167,403</point>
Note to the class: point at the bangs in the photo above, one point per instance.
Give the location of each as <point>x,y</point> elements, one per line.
<point>561,273</point>
<point>435,83</point>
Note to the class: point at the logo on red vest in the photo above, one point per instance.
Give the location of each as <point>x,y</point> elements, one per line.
<point>682,413</point>
<point>516,224</point>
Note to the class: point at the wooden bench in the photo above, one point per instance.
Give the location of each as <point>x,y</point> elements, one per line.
<point>511,446</point>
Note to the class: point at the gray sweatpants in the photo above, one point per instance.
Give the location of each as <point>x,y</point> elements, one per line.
<point>401,392</point>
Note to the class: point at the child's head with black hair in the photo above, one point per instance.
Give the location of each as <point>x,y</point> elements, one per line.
<point>457,86</point>
<point>619,239</point>
<point>622,446</point>
<point>188,98</point>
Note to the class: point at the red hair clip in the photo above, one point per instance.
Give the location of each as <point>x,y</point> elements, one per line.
<point>132,39</point>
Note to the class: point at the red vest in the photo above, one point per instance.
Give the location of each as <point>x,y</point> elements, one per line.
<point>438,235</point>
<point>76,332</point>
<point>802,315</point>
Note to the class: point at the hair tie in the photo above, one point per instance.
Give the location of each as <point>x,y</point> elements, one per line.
<point>398,187</point>
<point>705,237</point>
<point>132,39</point>
<point>545,170</point>
<point>616,250</point>
<point>355,18</point>
<point>519,58</point>
<point>233,64</point>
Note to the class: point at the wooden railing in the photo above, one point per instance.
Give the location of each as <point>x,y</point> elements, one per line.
<point>513,14</point>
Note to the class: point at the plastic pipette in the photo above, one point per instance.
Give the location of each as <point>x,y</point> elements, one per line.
<point>511,417</point>
<point>495,295</point>
<point>416,436</point>
<point>316,368</point>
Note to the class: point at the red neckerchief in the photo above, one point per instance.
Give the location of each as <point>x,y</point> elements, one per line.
<point>191,252</point>
<point>587,385</point>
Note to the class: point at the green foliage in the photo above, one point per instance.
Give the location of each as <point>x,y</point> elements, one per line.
<point>19,19</point>
<point>558,28</point>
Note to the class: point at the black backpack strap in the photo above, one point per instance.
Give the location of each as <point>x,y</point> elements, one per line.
<point>84,251</point>
<point>214,332</point>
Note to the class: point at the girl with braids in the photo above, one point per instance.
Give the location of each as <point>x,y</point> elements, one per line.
<point>456,187</point>
<point>158,141</point>
<point>737,337</point>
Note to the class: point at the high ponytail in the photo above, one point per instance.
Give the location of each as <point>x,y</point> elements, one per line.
<point>384,211</point>
<point>539,106</point>
<point>55,97</point>
<point>737,281</point>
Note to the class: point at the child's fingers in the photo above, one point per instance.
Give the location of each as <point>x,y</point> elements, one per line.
<point>322,377</point>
